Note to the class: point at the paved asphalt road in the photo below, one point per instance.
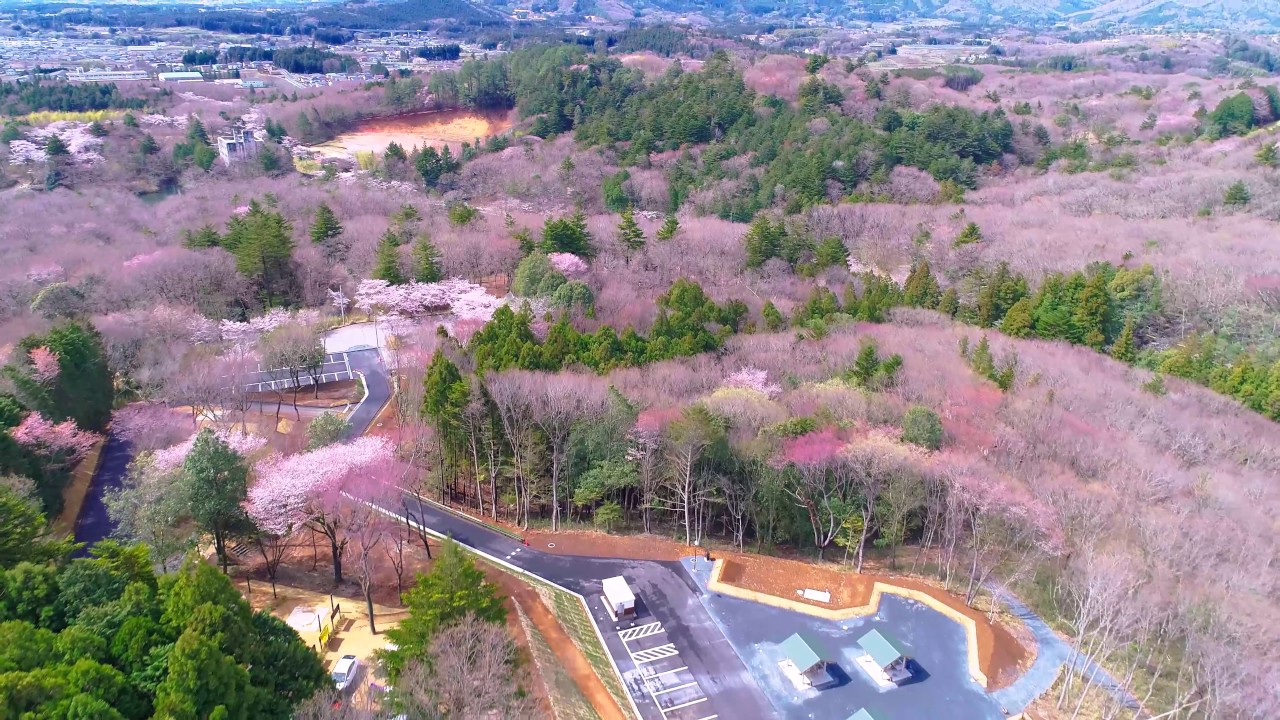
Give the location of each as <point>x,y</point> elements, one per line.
<point>376,381</point>
<point>93,523</point>
<point>668,596</point>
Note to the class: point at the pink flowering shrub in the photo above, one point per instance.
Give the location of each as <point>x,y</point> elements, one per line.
<point>62,441</point>
<point>567,264</point>
<point>44,365</point>
<point>292,490</point>
<point>753,378</point>
<point>243,444</point>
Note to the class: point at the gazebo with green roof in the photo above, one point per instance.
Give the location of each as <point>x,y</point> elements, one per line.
<point>883,650</point>
<point>807,656</point>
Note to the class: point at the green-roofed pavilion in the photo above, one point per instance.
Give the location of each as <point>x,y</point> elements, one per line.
<point>803,652</point>
<point>883,649</point>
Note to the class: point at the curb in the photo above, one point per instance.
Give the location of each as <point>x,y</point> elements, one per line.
<point>878,589</point>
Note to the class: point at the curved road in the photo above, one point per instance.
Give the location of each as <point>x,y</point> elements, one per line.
<point>721,673</point>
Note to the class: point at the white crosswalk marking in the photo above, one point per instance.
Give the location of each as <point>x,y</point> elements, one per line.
<point>654,654</point>
<point>642,631</point>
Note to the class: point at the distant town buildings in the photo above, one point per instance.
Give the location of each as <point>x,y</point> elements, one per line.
<point>107,75</point>
<point>240,145</point>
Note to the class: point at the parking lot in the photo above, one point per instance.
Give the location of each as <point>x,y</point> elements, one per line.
<point>334,368</point>
<point>670,684</point>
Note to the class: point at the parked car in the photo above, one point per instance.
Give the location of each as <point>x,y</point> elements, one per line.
<point>344,673</point>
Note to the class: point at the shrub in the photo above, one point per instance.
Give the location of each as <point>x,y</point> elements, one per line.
<point>921,426</point>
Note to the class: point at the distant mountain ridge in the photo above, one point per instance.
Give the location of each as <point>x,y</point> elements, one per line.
<point>1238,14</point>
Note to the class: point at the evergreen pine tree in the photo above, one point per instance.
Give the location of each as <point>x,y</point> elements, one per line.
<point>326,228</point>
<point>263,247</point>
<point>1237,195</point>
<point>773,319</point>
<point>56,147</point>
<point>148,146</point>
<point>1267,154</point>
<point>426,261</point>
<point>981,360</point>
<point>763,242</point>
<point>629,232</point>
<point>831,252</point>
<point>950,303</point>
<point>1123,348</point>
<point>195,131</point>
<point>1017,322</point>
<point>670,226</point>
<point>921,288</point>
<point>386,265</point>
<point>1093,306</point>
<point>970,234</point>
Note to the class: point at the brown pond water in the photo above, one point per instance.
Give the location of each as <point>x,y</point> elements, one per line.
<point>438,128</point>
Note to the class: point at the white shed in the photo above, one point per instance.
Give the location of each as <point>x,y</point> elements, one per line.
<point>618,598</point>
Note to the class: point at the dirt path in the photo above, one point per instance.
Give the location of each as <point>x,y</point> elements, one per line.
<point>570,657</point>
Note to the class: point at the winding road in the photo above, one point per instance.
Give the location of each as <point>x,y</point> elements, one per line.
<point>667,591</point>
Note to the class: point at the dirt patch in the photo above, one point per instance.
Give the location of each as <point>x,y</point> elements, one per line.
<point>74,493</point>
<point>571,659</point>
<point>597,544</point>
<point>331,395</point>
<point>1000,655</point>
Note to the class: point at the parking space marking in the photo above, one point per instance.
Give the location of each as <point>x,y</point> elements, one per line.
<point>654,683</point>
<point>654,654</point>
<point>636,633</point>
<point>709,717</point>
<point>677,707</point>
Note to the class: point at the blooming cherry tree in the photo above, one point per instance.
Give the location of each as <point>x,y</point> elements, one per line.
<point>311,489</point>
<point>567,264</point>
<point>44,365</point>
<point>64,443</point>
<point>753,378</point>
<point>241,443</point>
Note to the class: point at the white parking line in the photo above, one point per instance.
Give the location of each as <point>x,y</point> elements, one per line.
<point>673,689</point>
<point>709,717</point>
<point>668,672</point>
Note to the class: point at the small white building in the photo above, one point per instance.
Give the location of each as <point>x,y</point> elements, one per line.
<point>618,598</point>
<point>181,76</point>
<point>238,146</point>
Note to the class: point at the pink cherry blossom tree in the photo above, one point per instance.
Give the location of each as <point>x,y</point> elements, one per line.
<point>753,378</point>
<point>63,444</point>
<point>567,264</point>
<point>309,489</point>
<point>44,365</point>
<point>242,443</point>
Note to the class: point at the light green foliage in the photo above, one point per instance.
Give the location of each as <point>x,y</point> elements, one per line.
<point>1123,349</point>
<point>23,533</point>
<point>535,277</point>
<point>615,195</point>
<point>215,481</point>
<point>921,287</point>
<point>574,294</point>
<point>670,226</point>
<point>969,235</point>
<point>461,214</point>
<point>325,228</point>
<point>452,589</point>
<point>327,429</point>
<point>567,235</point>
<point>921,426</point>
<point>1237,195</point>
<point>773,319</point>
<point>1267,154</point>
